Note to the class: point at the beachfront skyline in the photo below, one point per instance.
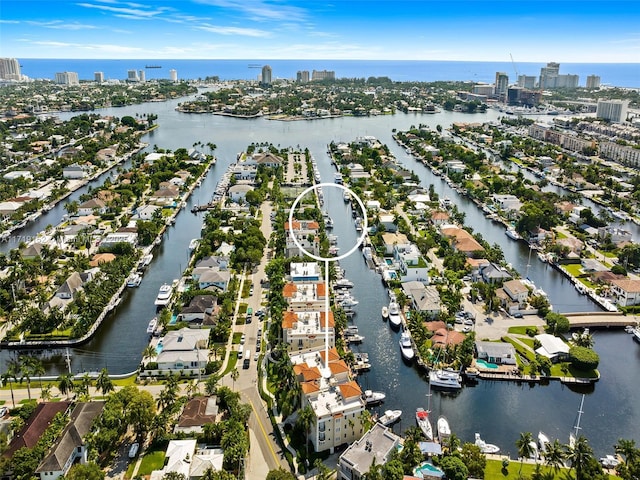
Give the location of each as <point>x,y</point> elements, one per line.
<point>531,31</point>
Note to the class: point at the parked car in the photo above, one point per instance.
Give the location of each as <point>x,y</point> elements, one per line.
<point>3,411</point>
<point>133,450</point>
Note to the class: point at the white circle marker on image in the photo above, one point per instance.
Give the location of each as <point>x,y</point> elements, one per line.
<point>358,242</point>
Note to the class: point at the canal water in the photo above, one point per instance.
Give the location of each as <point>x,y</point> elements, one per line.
<point>498,411</point>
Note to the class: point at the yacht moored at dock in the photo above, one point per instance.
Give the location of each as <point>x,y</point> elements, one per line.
<point>405,346</point>
<point>164,295</point>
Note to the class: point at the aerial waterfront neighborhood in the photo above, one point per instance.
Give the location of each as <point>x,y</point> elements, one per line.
<point>166,312</point>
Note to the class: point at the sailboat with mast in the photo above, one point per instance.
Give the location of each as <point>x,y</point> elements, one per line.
<point>576,428</point>
<point>422,419</point>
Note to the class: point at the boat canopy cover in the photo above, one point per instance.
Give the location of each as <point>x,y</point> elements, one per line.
<point>430,448</point>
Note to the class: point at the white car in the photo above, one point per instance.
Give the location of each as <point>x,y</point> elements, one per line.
<point>466,329</point>
<point>468,321</point>
<point>242,339</point>
<point>3,411</point>
<point>133,450</point>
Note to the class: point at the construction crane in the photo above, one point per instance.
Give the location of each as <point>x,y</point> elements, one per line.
<point>515,69</point>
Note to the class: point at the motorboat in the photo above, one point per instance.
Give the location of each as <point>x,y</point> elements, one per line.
<point>164,295</point>
<point>153,323</point>
<point>629,329</point>
<point>346,196</point>
<point>422,419</point>
<point>353,338</point>
<point>512,234</point>
<point>535,453</point>
<point>543,440</point>
<point>484,446</point>
<point>444,430</point>
<point>373,398</point>
<point>328,223</point>
<point>385,313</point>
<point>390,417</point>
<point>134,280</point>
<point>405,346</point>
<point>472,373</point>
<point>343,283</point>
<point>609,461</point>
<point>636,334</point>
<point>145,261</point>
<point>358,223</point>
<point>193,244</point>
<point>349,302</point>
<point>445,378</point>
<point>394,313</point>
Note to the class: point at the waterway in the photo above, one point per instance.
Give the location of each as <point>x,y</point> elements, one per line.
<point>499,411</point>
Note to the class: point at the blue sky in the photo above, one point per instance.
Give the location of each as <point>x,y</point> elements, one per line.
<point>586,31</point>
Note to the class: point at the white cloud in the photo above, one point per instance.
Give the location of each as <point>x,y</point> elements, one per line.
<point>259,10</point>
<point>102,47</point>
<point>60,25</point>
<point>138,11</point>
<point>223,30</point>
<point>9,21</point>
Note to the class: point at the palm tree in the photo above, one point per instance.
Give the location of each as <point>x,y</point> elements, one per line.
<point>104,383</point>
<point>192,388</point>
<point>579,455</point>
<point>149,352</point>
<point>306,417</point>
<point>211,384</point>
<point>627,449</point>
<point>234,376</point>
<point>45,393</point>
<point>10,376</point>
<point>65,384</point>
<point>452,444</point>
<point>525,448</point>
<point>554,455</point>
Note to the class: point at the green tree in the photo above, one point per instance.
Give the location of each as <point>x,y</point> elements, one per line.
<point>474,460</point>
<point>454,468</point>
<point>554,455</point>
<point>87,471</point>
<point>579,455</point>
<point>104,383</point>
<point>525,447</point>
<point>66,384</point>
<point>280,474</point>
<point>305,420</point>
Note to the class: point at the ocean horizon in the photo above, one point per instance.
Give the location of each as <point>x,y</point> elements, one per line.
<point>611,74</point>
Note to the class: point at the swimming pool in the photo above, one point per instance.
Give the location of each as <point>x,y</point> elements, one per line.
<point>389,261</point>
<point>427,468</point>
<point>159,348</point>
<point>484,364</point>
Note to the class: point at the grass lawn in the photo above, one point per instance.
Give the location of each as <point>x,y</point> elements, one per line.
<point>494,471</point>
<point>559,235</point>
<point>575,270</point>
<point>236,337</point>
<point>233,360</point>
<point>520,330</point>
<point>151,461</point>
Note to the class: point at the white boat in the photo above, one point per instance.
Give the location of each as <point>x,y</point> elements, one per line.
<point>445,378</point>
<point>444,430</point>
<point>512,234</point>
<point>472,372</point>
<point>328,223</point>
<point>343,283</point>
<point>445,202</point>
<point>145,261</point>
<point>337,178</point>
<point>535,454</point>
<point>164,295</point>
<point>358,223</point>
<point>609,461</point>
<point>349,302</point>
<point>346,196</point>
<point>422,419</point>
<point>542,257</point>
<point>373,398</point>
<point>385,314</point>
<point>405,346</point>
<point>580,288</point>
<point>636,334</point>
<point>134,280</point>
<point>193,244</point>
<point>153,323</point>
<point>542,442</point>
<point>486,447</point>
<point>629,329</point>
<point>394,313</point>
<point>390,417</point>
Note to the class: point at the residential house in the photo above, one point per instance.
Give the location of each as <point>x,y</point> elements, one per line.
<point>517,291</point>
<point>213,261</point>
<point>423,298</point>
<point>617,235</point>
<point>184,350</point>
<point>493,273</point>
<point>196,413</point>
<point>461,240</point>
<point>305,272</point>
<point>357,171</point>
<point>552,347</point>
<point>439,218</point>
<point>146,212</point>
<point>73,172</point>
<point>35,426</point>
<point>32,251</point>
<point>119,237</point>
<point>411,263</point>
<point>500,353</point>
<point>244,172</point>
<point>95,205</point>
<point>18,174</point>
<point>199,308</point>
<point>266,159</point>
<point>218,279</point>
<point>539,235</point>
<point>442,335</point>
<point>238,193</point>
<point>627,291</point>
<point>507,203</point>
<point>386,219</point>
<point>70,447</point>
<point>374,448</point>
<point>164,196</point>
<point>101,258</point>
<point>305,330</point>
<point>184,458</point>
<point>153,157</point>
<point>72,285</point>
<point>390,241</point>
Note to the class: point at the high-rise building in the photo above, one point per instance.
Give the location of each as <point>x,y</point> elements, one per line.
<point>67,78</point>
<point>501,84</point>
<point>612,110</point>
<point>132,76</point>
<point>141,76</point>
<point>323,75</point>
<point>593,82</point>
<point>266,75</point>
<point>527,81</point>
<point>173,75</point>
<point>547,73</point>
<point>98,77</point>
<point>10,69</point>
<point>302,76</point>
